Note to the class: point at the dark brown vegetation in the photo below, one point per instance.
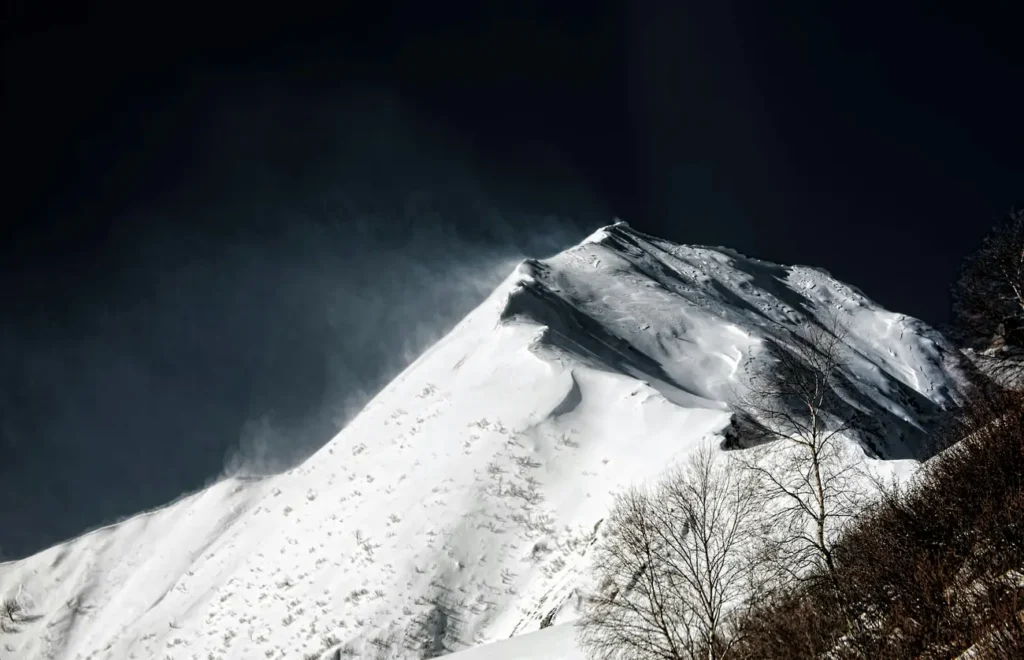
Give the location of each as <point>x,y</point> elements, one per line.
<point>932,569</point>
<point>988,301</point>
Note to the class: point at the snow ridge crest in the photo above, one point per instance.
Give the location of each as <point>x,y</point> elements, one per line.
<point>458,507</point>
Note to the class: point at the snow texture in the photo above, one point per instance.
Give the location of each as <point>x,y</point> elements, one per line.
<point>457,509</point>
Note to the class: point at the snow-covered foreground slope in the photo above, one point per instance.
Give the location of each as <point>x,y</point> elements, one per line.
<point>457,509</point>
<point>554,643</point>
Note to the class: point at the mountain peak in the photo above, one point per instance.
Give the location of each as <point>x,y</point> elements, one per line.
<point>457,508</point>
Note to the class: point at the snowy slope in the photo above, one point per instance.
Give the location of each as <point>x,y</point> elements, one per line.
<point>553,643</point>
<point>458,507</point>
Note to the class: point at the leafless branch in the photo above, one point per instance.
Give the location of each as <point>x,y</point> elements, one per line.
<point>677,562</point>
<point>796,417</point>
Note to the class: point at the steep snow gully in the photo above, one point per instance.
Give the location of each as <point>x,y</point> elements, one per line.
<point>458,507</point>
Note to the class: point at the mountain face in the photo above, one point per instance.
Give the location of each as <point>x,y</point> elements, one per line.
<point>459,506</point>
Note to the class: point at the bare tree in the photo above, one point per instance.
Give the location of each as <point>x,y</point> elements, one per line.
<point>933,567</point>
<point>988,300</point>
<point>673,566</point>
<point>794,415</point>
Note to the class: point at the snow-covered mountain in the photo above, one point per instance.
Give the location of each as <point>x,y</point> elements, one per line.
<point>457,508</point>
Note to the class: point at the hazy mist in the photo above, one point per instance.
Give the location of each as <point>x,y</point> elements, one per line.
<point>235,321</point>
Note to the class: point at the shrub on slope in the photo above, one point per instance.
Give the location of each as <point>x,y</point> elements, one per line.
<point>934,569</point>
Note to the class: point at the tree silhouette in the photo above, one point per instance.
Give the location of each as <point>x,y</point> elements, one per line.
<point>676,566</point>
<point>809,484</point>
<point>988,298</point>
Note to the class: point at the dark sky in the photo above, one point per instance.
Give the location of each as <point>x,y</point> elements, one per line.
<point>226,229</point>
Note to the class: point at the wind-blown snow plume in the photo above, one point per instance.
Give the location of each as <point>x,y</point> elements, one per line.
<point>313,254</point>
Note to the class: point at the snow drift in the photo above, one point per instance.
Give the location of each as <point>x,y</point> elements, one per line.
<point>458,507</point>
